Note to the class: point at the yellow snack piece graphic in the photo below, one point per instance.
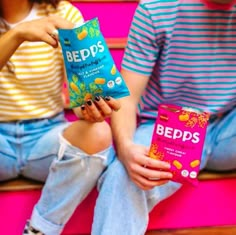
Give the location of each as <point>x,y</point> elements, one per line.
<point>74,87</point>
<point>88,96</point>
<point>177,164</point>
<point>152,155</point>
<point>195,163</point>
<point>100,81</point>
<point>113,70</point>
<point>184,117</point>
<point>82,34</point>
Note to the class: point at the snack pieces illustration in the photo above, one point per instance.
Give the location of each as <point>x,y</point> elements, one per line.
<point>195,163</point>
<point>82,34</point>
<point>177,164</point>
<point>178,138</point>
<point>100,81</point>
<point>90,68</point>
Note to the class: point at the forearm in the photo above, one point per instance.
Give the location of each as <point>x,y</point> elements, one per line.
<point>123,123</point>
<point>9,42</point>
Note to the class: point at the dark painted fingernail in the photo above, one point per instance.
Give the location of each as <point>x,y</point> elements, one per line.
<point>97,98</point>
<point>83,107</point>
<point>89,102</point>
<point>107,98</point>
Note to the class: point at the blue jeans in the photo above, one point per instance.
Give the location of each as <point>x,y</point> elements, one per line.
<point>36,149</point>
<point>123,208</point>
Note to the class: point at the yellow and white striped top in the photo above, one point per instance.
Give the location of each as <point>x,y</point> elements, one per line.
<point>34,90</point>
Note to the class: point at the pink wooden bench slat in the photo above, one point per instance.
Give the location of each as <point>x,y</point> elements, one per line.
<point>212,203</point>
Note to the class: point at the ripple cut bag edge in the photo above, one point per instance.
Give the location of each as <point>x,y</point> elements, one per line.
<point>90,68</point>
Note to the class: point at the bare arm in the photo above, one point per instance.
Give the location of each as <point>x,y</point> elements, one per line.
<point>36,30</point>
<point>9,42</point>
<point>133,156</point>
<point>136,84</point>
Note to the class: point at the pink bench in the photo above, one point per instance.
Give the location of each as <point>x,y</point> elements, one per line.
<point>212,203</point>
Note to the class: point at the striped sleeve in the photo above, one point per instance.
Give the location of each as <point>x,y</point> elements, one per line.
<point>70,12</point>
<point>142,49</point>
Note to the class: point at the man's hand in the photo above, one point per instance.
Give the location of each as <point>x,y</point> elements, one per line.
<point>144,171</point>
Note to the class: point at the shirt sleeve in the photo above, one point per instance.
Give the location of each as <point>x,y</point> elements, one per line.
<point>70,12</point>
<point>142,48</point>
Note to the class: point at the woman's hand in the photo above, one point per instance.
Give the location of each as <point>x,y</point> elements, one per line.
<point>144,171</point>
<point>97,110</point>
<point>42,29</point>
<point>35,31</point>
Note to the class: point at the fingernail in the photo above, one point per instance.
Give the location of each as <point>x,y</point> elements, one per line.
<point>83,107</point>
<point>89,102</point>
<point>107,98</point>
<point>97,98</point>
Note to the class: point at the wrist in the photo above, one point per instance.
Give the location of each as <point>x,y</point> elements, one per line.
<point>18,35</point>
<point>123,144</point>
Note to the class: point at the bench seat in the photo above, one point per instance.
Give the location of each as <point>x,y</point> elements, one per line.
<point>211,203</point>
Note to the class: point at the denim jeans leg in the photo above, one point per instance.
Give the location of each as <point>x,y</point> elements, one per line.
<point>71,177</point>
<point>223,144</point>
<point>122,207</point>
<point>9,164</point>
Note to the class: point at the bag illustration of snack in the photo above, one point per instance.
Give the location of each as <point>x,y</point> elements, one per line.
<point>90,68</point>
<point>178,138</point>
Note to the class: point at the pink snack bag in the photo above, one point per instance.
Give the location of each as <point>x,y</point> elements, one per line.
<point>178,138</point>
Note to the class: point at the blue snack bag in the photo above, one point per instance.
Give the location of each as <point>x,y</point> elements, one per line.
<point>90,68</point>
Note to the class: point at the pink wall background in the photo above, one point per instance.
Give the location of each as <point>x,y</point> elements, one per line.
<point>115,18</point>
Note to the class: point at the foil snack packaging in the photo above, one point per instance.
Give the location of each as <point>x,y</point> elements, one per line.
<point>178,138</point>
<point>90,68</point>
